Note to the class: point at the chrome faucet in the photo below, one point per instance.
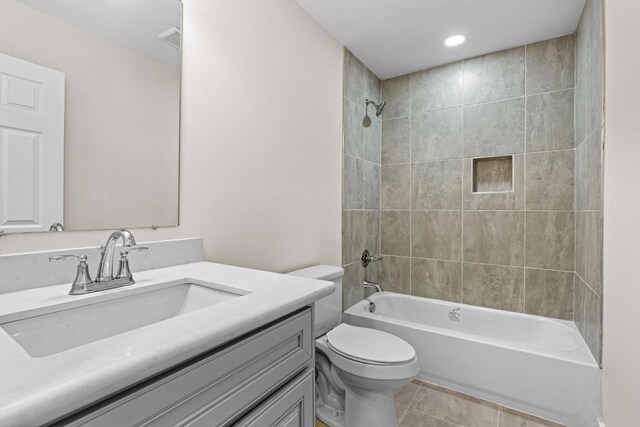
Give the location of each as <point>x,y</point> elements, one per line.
<point>370,285</point>
<point>105,269</point>
<point>105,280</point>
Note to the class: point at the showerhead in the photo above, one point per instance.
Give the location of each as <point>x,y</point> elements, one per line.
<point>366,122</point>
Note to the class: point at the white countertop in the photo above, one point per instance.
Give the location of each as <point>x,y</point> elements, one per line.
<point>35,391</point>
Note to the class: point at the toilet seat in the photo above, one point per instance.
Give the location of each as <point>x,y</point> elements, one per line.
<point>369,346</point>
<point>367,367</point>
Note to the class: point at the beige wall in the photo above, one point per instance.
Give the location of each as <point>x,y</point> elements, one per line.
<point>261,139</point>
<point>121,140</point>
<point>621,345</point>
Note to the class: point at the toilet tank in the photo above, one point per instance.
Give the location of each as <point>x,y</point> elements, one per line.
<point>328,310</point>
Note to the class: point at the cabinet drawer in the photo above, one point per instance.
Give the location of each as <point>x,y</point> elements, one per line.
<point>290,407</point>
<point>224,383</point>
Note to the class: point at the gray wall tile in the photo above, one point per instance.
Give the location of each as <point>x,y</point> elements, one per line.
<point>510,200</point>
<point>353,185</point>
<point>593,172</point>
<point>549,293</point>
<point>353,78</point>
<point>550,65</point>
<point>589,31</point>
<point>352,290</point>
<point>436,185</point>
<point>395,141</point>
<point>494,237</point>
<point>372,86</point>
<point>394,228</point>
<point>550,240</point>
<point>436,88</point>
<point>436,234</point>
<point>395,188</point>
<point>372,232</point>
<point>593,321</point>
<point>494,128</point>
<point>353,129</point>
<point>495,76</point>
<point>593,250</point>
<point>394,274</point>
<point>436,135</point>
<point>550,121</point>
<point>582,192</point>
<point>579,297</point>
<point>372,136</point>
<point>580,110</point>
<point>352,236</point>
<point>396,92</point>
<point>580,250</point>
<point>436,279</point>
<point>550,180</point>
<point>371,185</point>
<point>593,93</point>
<point>494,286</point>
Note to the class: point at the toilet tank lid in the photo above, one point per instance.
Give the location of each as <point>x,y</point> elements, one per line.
<point>320,272</point>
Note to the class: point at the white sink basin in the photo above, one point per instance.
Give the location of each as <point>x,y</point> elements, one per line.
<point>62,330</point>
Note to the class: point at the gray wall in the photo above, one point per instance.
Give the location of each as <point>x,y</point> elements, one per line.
<point>588,176</point>
<point>510,250</point>
<point>361,178</point>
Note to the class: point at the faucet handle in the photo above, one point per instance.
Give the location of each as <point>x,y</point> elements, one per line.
<point>124,272</point>
<point>124,253</point>
<point>81,258</point>
<point>83,278</point>
<point>367,258</point>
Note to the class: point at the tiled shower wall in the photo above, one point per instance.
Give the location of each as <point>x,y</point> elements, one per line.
<point>511,249</point>
<point>361,178</point>
<point>588,176</point>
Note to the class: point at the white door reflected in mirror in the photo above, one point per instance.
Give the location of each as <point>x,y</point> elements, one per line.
<point>31,146</point>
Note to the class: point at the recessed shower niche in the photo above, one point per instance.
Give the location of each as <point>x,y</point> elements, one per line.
<point>493,174</point>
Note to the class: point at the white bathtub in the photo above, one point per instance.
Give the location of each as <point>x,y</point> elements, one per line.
<point>530,363</point>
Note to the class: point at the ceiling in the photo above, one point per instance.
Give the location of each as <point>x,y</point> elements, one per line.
<point>134,24</point>
<point>396,37</point>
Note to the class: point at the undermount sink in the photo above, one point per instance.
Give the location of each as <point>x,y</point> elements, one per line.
<point>64,329</point>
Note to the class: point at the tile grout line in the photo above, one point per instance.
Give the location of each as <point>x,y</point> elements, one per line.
<point>462,191</point>
<point>410,185</point>
<point>524,168</point>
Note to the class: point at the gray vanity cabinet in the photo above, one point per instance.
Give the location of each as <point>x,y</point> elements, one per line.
<point>263,379</point>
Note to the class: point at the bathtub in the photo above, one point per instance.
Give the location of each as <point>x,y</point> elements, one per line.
<point>530,363</point>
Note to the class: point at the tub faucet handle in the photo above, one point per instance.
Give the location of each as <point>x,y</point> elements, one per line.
<point>367,258</point>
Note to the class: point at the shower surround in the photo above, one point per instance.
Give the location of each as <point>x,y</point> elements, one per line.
<point>508,243</point>
<point>485,188</point>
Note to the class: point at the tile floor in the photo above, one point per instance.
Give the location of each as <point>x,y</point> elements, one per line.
<point>421,404</point>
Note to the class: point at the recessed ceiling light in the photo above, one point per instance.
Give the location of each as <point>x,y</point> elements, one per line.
<point>456,40</point>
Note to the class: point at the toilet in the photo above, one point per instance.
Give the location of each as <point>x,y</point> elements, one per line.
<point>356,368</point>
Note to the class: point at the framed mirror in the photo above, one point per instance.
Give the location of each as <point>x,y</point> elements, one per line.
<point>89,114</point>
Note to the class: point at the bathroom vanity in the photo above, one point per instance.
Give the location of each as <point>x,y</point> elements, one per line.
<point>195,344</point>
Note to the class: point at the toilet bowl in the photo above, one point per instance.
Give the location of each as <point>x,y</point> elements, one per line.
<point>356,368</point>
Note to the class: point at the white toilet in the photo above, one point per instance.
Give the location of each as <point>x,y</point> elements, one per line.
<point>356,368</point>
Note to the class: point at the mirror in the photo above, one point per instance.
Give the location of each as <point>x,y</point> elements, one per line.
<point>89,114</point>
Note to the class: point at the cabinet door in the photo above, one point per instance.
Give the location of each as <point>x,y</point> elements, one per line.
<point>222,386</point>
<point>290,407</point>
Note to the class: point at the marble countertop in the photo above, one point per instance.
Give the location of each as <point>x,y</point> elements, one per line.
<point>35,391</point>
